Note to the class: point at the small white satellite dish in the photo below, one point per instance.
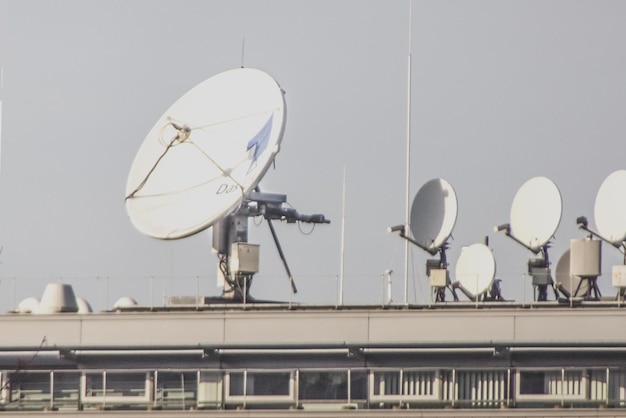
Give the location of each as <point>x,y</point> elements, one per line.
<point>610,208</point>
<point>205,154</point>
<point>84,307</point>
<point>475,268</point>
<point>567,281</point>
<point>536,212</point>
<point>433,214</point>
<point>125,302</point>
<point>28,305</point>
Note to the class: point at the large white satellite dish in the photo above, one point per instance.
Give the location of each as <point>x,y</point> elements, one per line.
<point>475,268</point>
<point>433,214</point>
<point>536,212</point>
<point>610,208</point>
<point>205,154</point>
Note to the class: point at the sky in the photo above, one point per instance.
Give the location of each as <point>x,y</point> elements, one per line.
<point>500,92</point>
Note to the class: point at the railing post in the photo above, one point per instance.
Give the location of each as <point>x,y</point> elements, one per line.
<point>51,389</point>
<point>608,386</point>
<point>508,390</point>
<point>104,387</point>
<point>454,387</point>
<point>296,387</point>
<point>245,388</point>
<point>155,388</point>
<point>182,382</point>
<point>349,386</point>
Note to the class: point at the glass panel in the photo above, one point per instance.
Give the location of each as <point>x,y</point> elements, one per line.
<point>323,385</point>
<point>94,384</point>
<point>265,384</point>
<point>66,385</point>
<point>236,384</point>
<point>358,385</point>
<point>126,384</point>
<point>532,383</point>
<point>176,389</point>
<point>30,386</point>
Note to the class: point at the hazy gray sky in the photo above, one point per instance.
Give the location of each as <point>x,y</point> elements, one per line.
<point>502,91</point>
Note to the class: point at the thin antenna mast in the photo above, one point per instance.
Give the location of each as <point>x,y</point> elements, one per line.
<point>343,237</point>
<point>408,162</point>
<point>243,49</point>
<point>1,94</point>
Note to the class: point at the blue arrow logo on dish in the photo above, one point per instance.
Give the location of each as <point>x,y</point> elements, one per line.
<point>259,142</point>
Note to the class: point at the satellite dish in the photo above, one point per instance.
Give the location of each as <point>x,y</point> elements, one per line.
<point>475,268</point>
<point>567,281</point>
<point>205,154</point>
<point>125,302</point>
<point>536,212</point>
<point>610,208</point>
<point>433,214</point>
<point>28,305</point>
<point>84,306</point>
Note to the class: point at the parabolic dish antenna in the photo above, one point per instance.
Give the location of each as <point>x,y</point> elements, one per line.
<point>610,209</point>
<point>566,280</point>
<point>475,268</point>
<point>433,214</point>
<point>205,154</point>
<point>536,212</point>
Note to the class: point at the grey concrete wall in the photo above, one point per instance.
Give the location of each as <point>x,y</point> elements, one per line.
<point>312,327</point>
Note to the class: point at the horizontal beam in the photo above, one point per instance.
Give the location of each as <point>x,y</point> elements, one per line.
<point>308,348</point>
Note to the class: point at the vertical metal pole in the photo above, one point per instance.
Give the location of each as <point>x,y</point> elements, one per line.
<point>508,389</point>
<point>562,387</point>
<point>408,163</point>
<point>608,385</point>
<point>401,387</point>
<point>197,389</point>
<point>243,49</point>
<point>1,93</point>
<point>349,386</point>
<point>155,389</point>
<point>245,387</point>
<point>571,289</point>
<point>52,390</point>
<point>343,236</point>
<point>182,382</point>
<point>164,292</point>
<point>454,388</point>
<point>295,386</point>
